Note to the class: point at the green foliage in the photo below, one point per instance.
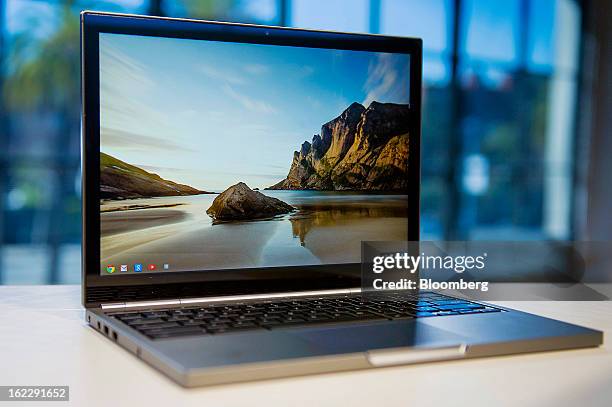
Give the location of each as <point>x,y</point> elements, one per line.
<point>107,161</point>
<point>46,74</point>
<point>500,142</point>
<point>209,9</point>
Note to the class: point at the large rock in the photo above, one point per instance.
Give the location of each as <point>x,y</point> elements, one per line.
<point>239,202</point>
<point>361,149</point>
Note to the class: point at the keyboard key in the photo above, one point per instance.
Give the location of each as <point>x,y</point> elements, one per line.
<point>193,322</point>
<point>156,314</point>
<point>221,321</point>
<point>162,325</point>
<point>167,333</point>
<point>487,310</point>
<point>145,321</point>
<point>425,309</point>
<point>244,325</point>
<point>129,317</point>
<point>177,319</point>
<point>447,302</point>
<point>453,306</point>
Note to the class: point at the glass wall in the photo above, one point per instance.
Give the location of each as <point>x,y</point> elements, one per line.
<point>498,132</point>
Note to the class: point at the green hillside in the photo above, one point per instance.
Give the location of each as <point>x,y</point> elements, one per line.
<point>120,180</point>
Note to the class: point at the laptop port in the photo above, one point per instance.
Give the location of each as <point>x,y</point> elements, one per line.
<point>105,329</point>
<point>115,336</point>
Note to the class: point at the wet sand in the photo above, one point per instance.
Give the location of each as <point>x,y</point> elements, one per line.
<point>118,221</point>
<point>114,206</point>
<point>325,229</point>
<point>222,246</point>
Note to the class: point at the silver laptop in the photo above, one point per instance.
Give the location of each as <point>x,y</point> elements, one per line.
<point>231,173</point>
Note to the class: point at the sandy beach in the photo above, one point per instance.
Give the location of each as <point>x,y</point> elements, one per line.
<point>326,228</point>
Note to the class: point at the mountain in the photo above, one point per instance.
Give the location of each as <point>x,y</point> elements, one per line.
<point>120,180</point>
<point>363,149</point>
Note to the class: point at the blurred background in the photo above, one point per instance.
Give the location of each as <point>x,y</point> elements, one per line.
<point>516,144</point>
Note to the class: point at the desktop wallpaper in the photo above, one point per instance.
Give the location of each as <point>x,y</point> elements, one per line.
<point>222,155</point>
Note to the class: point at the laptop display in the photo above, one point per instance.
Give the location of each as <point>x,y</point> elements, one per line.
<point>220,155</point>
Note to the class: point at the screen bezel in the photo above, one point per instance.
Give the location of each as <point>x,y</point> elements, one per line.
<point>234,281</point>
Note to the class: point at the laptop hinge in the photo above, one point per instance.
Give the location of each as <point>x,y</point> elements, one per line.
<point>228,298</point>
<point>119,305</point>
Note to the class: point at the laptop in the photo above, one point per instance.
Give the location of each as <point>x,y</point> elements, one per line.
<point>231,173</point>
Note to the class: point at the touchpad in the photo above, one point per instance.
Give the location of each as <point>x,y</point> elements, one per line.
<point>369,336</point>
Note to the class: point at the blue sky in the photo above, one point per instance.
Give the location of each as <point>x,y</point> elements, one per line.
<point>210,114</point>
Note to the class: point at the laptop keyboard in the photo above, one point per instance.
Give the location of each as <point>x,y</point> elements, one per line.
<point>217,319</point>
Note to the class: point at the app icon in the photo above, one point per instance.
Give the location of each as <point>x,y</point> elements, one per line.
<point>166,266</point>
<point>110,269</point>
<point>138,267</point>
<point>123,268</point>
<point>151,267</point>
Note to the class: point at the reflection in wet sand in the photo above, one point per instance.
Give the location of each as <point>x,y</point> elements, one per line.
<point>315,216</point>
<point>327,227</point>
<point>333,232</point>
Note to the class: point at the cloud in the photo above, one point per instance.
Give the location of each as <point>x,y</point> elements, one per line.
<point>254,105</point>
<point>244,175</point>
<point>221,75</point>
<point>304,71</point>
<point>126,88</point>
<point>256,69</point>
<point>314,102</point>
<point>137,142</point>
<point>119,110</point>
<point>157,168</point>
<point>388,79</point>
<point>117,68</point>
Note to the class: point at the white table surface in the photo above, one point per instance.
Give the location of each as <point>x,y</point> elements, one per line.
<point>44,341</point>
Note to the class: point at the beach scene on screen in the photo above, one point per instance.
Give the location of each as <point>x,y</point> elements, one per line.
<point>219,155</point>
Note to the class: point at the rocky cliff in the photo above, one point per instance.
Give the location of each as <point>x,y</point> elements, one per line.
<point>362,149</point>
<point>120,180</point>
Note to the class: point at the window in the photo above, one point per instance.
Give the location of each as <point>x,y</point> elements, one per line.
<point>430,20</point>
<point>497,130</point>
<point>337,15</point>
<point>516,117</point>
<point>40,206</point>
<point>242,11</point>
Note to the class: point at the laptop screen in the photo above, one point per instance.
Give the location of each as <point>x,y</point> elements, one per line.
<point>220,155</point>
